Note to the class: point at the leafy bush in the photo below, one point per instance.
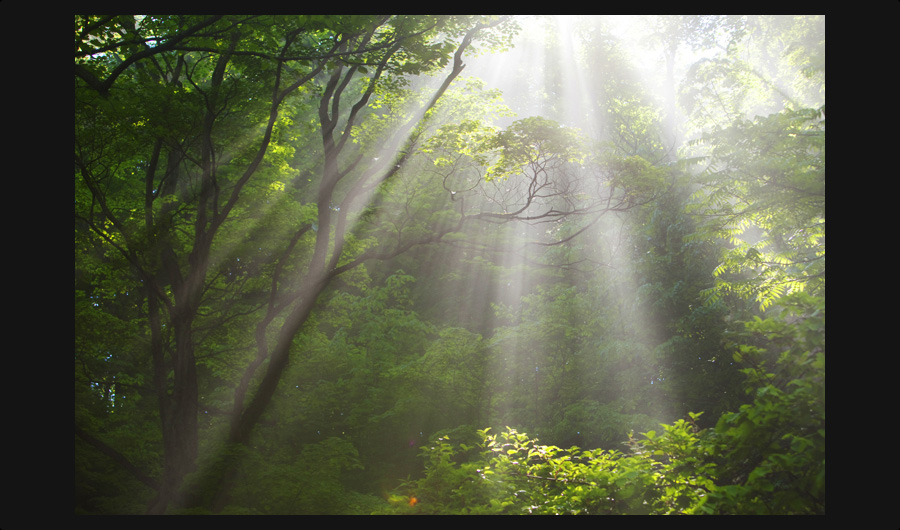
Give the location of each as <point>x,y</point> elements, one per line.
<point>766,458</point>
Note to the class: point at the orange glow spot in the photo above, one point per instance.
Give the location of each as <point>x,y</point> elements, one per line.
<point>413,501</point>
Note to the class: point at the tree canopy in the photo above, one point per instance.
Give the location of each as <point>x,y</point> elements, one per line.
<point>318,269</point>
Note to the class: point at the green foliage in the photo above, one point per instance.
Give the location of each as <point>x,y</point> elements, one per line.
<point>308,482</point>
<point>766,458</point>
<point>764,193</point>
<point>763,189</point>
<point>759,76</point>
<point>633,126</point>
<point>638,179</point>
<point>470,138</point>
<point>225,165</point>
<point>772,451</point>
<point>559,372</point>
<point>445,386</point>
<point>531,143</point>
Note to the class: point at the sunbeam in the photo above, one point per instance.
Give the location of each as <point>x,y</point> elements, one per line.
<point>449,264</point>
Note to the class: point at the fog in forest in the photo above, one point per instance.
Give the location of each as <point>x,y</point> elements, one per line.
<point>419,264</point>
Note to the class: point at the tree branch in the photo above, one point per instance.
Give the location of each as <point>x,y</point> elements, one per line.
<point>118,458</point>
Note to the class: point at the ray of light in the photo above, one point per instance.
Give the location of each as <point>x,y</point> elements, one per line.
<point>546,74</point>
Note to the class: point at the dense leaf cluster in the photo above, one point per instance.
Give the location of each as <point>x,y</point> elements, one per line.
<point>766,458</point>
<point>318,271</point>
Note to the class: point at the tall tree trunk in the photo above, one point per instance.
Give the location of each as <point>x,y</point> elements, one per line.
<point>178,411</point>
<point>211,490</point>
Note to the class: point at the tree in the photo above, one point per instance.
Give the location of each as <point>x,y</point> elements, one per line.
<point>698,32</point>
<point>762,192</point>
<point>188,128</point>
<point>766,458</point>
<point>303,247</point>
<point>778,64</point>
<point>760,114</point>
<point>183,127</point>
<point>768,189</point>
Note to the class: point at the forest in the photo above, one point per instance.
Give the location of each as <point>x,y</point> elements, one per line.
<point>449,264</point>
